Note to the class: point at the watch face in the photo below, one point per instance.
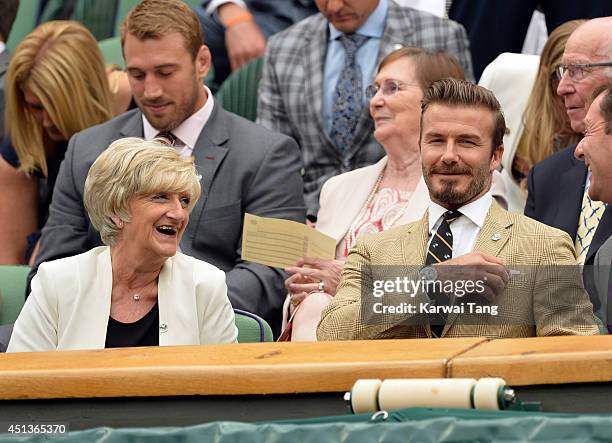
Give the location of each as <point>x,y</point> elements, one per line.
<point>428,273</point>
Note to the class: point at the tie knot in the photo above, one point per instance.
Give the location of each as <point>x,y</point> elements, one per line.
<point>352,42</point>
<point>168,137</point>
<point>451,216</point>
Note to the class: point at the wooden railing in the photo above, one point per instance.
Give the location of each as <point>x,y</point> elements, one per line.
<point>283,368</point>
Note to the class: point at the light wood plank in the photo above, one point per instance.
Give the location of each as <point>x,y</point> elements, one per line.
<point>239,369</point>
<point>537,361</point>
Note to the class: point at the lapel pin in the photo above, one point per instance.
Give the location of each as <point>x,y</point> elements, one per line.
<point>496,237</point>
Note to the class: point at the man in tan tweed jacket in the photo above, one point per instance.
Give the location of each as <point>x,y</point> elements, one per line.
<point>524,277</point>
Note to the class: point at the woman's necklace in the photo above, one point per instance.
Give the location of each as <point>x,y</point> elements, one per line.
<point>351,238</point>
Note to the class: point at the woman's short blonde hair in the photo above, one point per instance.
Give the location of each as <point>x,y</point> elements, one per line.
<point>132,167</point>
<point>61,64</point>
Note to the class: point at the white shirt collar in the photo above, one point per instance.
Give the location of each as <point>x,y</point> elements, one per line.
<point>189,131</point>
<point>476,211</point>
<point>2,47</point>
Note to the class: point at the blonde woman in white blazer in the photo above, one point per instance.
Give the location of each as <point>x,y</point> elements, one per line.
<point>375,198</point>
<point>138,290</point>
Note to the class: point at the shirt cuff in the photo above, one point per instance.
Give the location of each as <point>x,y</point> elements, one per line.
<point>214,4</point>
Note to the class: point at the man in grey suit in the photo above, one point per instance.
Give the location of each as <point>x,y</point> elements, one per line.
<point>312,68</point>
<point>596,150</point>
<point>244,168</point>
<point>9,12</point>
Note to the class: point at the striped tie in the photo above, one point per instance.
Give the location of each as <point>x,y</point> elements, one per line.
<point>441,249</point>
<point>590,214</point>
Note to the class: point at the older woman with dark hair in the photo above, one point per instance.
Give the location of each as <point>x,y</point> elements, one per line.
<point>138,290</point>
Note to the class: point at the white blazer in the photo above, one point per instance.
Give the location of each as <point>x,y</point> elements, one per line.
<point>70,302</point>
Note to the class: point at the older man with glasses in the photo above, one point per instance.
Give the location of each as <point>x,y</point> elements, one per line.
<point>558,186</point>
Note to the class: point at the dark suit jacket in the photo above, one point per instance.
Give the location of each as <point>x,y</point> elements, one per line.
<point>4,62</point>
<point>556,188</point>
<point>244,168</point>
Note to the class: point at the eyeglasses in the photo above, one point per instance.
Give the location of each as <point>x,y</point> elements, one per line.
<point>389,87</point>
<point>578,71</point>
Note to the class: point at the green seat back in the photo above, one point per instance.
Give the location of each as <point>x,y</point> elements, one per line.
<point>252,328</point>
<point>24,23</point>
<point>111,51</point>
<point>97,16</point>
<point>123,7</point>
<point>12,292</point>
<point>238,93</point>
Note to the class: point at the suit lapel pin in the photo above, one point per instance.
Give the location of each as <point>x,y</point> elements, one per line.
<point>496,237</point>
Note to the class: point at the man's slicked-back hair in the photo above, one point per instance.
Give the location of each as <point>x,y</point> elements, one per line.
<point>154,19</point>
<point>7,18</point>
<point>453,92</point>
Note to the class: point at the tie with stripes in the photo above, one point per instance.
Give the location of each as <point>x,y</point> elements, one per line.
<point>441,249</point>
<point>590,215</point>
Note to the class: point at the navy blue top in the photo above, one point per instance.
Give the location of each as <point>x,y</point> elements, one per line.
<point>143,332</point>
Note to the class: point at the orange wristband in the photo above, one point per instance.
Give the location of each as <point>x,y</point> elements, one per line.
<point>241,18</point>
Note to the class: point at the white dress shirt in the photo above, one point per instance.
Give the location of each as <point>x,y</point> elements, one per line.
<point>466,228</point>
<point>187,132</point>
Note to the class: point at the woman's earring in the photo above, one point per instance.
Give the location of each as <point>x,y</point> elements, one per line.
<point>117,221</point>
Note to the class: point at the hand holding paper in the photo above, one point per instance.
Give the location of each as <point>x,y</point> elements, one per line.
<point>281,243</point>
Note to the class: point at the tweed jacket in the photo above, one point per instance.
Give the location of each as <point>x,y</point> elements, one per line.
<point>537,306</point>
<point>291,88</point>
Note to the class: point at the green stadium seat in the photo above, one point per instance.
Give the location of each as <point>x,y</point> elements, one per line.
<point>98,16</point>
<point>12,292</point>
<point>111,51</point>
<point>252,328</point>
<point>238,93</point>
<point>24,23</point>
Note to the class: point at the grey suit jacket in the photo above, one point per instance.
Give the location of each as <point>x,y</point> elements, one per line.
<point>602,274</point>
<point>244,168</point>
<point>4,62</point>
<point>291,88</point>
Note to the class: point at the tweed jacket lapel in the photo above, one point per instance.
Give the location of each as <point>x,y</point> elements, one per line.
<point>313,58</point>
<point>414,242</point>
<point>498,226</point>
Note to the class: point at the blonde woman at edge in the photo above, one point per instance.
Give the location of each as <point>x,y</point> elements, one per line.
<point>375,198</point>
<point>56,86</point>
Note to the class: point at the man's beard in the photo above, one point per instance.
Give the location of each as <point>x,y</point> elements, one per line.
<point>448,194</point>
<point>182,112</point>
